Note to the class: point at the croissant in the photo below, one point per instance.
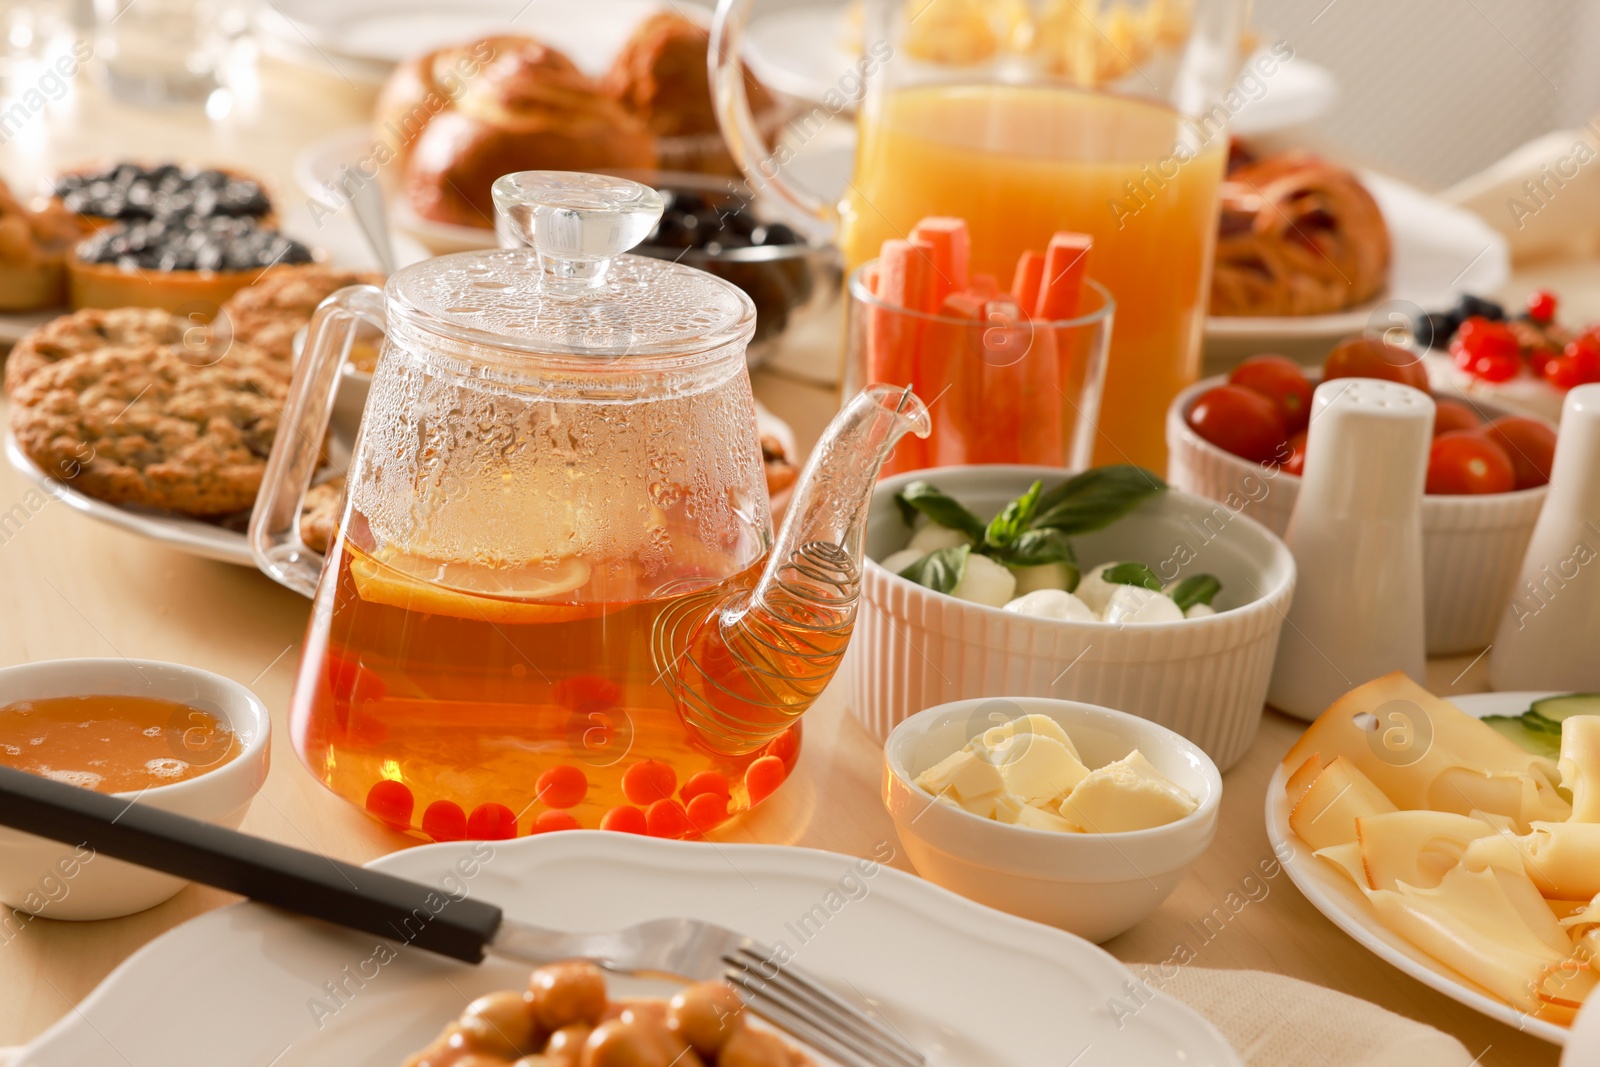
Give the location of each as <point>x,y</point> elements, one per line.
<point>1297,236</point>
<point>460,117</point>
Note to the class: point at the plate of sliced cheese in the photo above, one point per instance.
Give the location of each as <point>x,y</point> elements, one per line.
<point>1457,840</point>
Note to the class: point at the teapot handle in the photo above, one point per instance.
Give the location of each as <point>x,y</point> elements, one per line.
<point>297,449</point>
<point>763,171</point>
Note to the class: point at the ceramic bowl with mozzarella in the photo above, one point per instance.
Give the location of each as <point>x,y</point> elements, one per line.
<point>1094,885</point>
<point>1205,677</point>
<point>1472,546</point>
<point>59,881</point>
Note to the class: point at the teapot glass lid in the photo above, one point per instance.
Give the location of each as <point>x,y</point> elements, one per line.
<point>569,289</point>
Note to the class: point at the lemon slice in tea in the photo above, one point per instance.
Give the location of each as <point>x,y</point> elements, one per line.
<point>507,594</point>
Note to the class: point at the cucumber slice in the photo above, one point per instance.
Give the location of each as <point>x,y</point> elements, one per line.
<point>1564,707</point>
<point>1539,724</point>
<point>1539,742</point>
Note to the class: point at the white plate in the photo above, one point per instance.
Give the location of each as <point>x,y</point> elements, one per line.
<point>1330,892</point>
<point>1440,252</point>
<point>806,50</point>
<point>363,40</point>
<point>967,985</point>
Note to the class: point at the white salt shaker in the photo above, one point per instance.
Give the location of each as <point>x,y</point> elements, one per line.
<point>1356,535</point>
<point>1549,637</point>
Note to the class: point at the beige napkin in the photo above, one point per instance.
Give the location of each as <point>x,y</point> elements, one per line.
<point>1274,1021</point>
<point>1544,196</point>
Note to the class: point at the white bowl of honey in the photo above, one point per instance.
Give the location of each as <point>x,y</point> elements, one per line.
<point>173,737</point>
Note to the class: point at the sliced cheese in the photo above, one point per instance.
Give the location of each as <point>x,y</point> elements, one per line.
<point>966,774</point>
<point>1303,776</point>
<point>1415,847</point>
<point>1580,765</point>
<point>1339,795</point>
<point>1405,739</point>
<point>1346,857</point>
<point>1037,768</point>
<point>1490,925</point>
<point>1561,858</point>
<point>1129,794</point>
<point>1039,819</point>
<point>1032,723</point>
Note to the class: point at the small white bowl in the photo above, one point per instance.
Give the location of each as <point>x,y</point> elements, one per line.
<point>1094,885</point>
<point>1205,678</point>
<point>1472,546</point>
<point>56,881</point>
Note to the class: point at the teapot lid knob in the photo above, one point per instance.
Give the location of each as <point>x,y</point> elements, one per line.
<point>576,223</point>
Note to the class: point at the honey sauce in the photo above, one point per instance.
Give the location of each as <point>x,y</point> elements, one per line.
<point>113,744</point>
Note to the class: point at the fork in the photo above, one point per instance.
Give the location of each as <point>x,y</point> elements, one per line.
<point>461,928</point>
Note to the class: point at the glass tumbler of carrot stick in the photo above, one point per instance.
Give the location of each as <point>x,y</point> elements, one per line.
<point>1011,374</point>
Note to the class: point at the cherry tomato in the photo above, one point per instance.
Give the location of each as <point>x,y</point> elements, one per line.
<point>666,818</point>
<point>1240,421</point>
<point>763,776</point>
<point>624,819</point>
<point>391,802</point>
<point>1451,415</point>
<point>1542,306</point>
<point>1281,381</point>
<point>1370,357</point>
<point>1530,445</point>
<point>649,781</point>
<point>1296,463</point>
<point>551,821</point>
<point>562,786</point>
<point>492,822</point>
<point>707,811</point>
<point>444,821</point>
<point>1465,461</point>
<point>1487,350</point>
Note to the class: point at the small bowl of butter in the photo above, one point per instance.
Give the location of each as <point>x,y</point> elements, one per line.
<point>1066,813</point>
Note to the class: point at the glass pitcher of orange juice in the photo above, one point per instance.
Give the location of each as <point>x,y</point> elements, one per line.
<point>555,600</point>
<point>1026,118</point>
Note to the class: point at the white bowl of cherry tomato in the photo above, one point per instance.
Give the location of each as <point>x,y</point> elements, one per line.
<point>1241,440</point>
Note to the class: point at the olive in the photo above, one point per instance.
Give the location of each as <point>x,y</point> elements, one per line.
<point>565,1046</point>
<point>567,993</point>
<point>501,1023</point>
<point>754,1048</point>
<point>705,1015</point>
<point>622,1044</point>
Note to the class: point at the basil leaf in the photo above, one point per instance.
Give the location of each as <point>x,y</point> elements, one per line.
<point>1038,547</point>
<point>1195,589</point>
<point>947,511</point>
<point>1013,519</point>
<point>1132,574</point>
<point>1096,498</point>
<point>941,570</point>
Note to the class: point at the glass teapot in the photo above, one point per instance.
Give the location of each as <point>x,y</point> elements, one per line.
<point>555,600</point>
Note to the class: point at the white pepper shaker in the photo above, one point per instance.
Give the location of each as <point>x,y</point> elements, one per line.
<point>1549,636</point>
<point>1356,535</point>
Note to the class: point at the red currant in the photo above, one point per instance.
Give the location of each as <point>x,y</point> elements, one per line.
<point>1542,306</point>
<point>1487,350</point>
<point>1579,366</point>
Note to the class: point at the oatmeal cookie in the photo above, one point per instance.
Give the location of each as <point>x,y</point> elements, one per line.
<point>88,330</point>
<point>319,514</point>
<point>143,424</point>
<point>267,315</point>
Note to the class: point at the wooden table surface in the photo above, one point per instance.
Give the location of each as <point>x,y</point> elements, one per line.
<point>70,587</point>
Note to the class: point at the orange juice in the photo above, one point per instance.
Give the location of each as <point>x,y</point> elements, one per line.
<point>1020,162</point>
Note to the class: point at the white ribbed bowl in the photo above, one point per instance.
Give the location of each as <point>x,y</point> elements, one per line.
<point>1205,678</point>
<point>1472,546</point>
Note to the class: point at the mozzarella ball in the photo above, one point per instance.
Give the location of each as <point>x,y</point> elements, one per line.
<point>930,537</point>
<point>896,562</point>
<point>1095,591</point>
<point>1044,576</point>
<point>985,582</point>
<point>1052,604</point>
<point>1136,604</point>
<point>1199,610</point>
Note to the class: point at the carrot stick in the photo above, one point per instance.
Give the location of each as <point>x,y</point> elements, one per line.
<point>1066,264</point>
<point>1025,285</point>
<point>984,286</point>
<point>1003,403</point>
<point>905,281</point>
<point>953,372</point>
<point>952,250</point>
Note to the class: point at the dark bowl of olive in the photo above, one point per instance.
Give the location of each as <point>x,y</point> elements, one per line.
<point>721,227</point>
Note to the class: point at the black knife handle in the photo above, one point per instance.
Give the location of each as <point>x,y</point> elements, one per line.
<point>263,870</point>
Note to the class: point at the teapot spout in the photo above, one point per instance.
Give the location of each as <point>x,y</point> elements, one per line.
<point>761,658</point>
